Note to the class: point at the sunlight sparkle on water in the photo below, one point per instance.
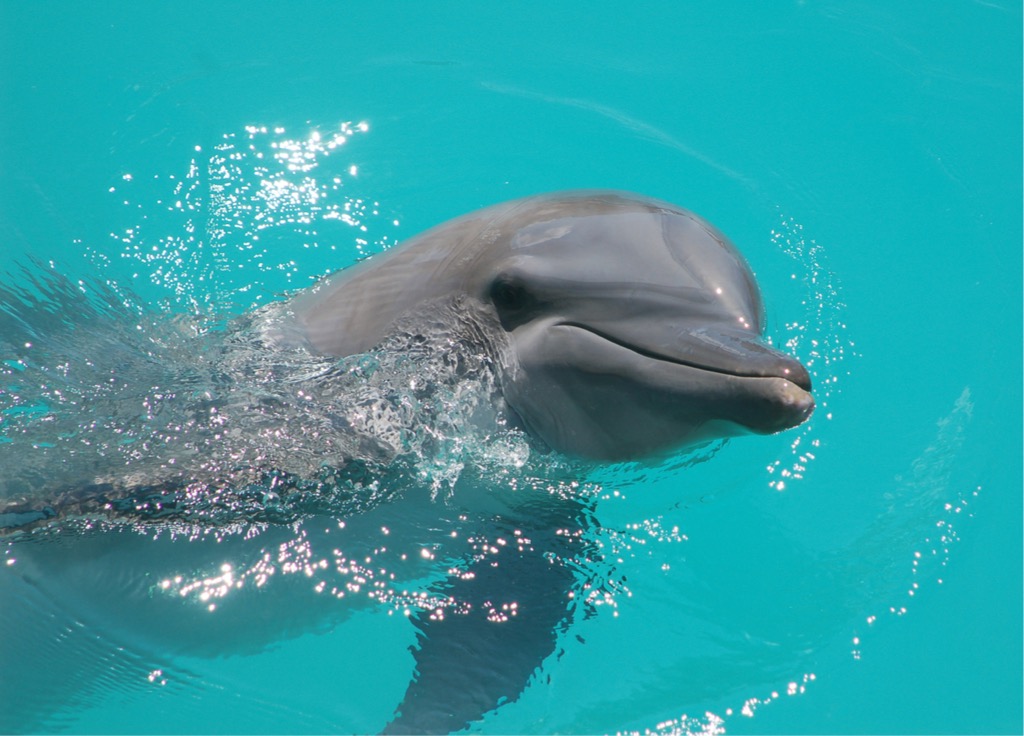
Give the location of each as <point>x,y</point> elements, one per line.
<point>247,204</point>
<point>819,340</point>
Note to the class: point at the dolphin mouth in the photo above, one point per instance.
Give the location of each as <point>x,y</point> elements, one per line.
<point>729,352</point>
<point>731,373</point>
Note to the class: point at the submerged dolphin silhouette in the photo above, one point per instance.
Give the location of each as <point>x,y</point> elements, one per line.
<point>621,326</point>
<point>617,327</point>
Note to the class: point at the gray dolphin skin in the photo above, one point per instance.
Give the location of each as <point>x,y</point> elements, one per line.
<point>622,327</point>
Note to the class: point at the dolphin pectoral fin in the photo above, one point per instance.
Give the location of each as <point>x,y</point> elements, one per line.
<point>470,662</point>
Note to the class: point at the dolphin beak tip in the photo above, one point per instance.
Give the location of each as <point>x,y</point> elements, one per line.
<point>797,402</point>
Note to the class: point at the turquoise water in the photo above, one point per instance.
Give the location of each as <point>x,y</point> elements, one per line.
<point>861,574</point>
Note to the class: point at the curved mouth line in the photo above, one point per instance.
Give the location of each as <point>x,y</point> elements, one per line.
<point>650,354</point>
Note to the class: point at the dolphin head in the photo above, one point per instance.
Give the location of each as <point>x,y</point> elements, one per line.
<point>625,327</point>
<point>634,328</point>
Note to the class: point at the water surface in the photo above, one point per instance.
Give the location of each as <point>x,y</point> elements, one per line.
<point>860,574</point>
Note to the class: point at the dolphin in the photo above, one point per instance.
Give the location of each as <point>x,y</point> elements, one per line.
<point>617,328</point>
<point>621,327</point>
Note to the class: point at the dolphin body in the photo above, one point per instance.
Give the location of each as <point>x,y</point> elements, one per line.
<point>621,328</point>
<point>617,327</point>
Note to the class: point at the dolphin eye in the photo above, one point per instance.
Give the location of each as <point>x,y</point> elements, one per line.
<point>509,296</point>
<point>513,302</point>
